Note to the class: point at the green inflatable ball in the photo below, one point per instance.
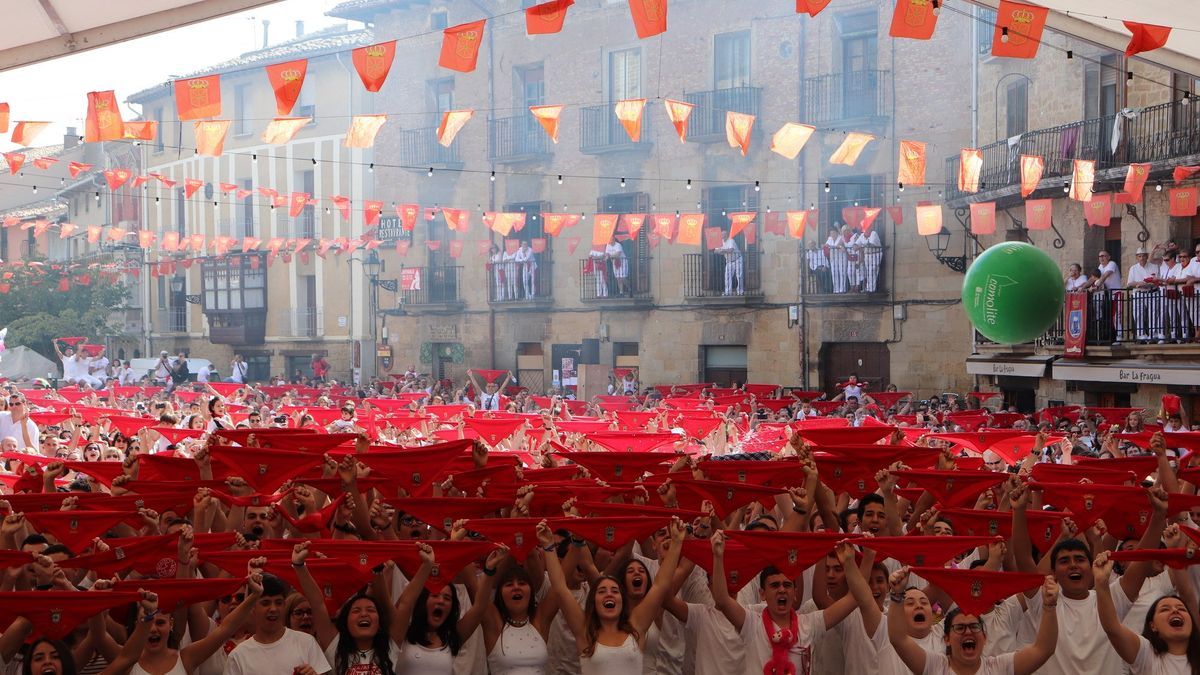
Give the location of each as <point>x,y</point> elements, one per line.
<point>1013,293</point>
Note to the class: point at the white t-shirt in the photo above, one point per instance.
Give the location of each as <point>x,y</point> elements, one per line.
<point>10,428</point>
<point>1153,588</point>
<point>810,626</point>
<point>889,660</point>
<point>280,657</point>
<point>1139,273</point>
<point>939,664</point>
<point>362,663</point>
<point>1148,663</point>
<point>1083,646</point>
<point>1076,283</point>
<point>1113,280</point>
<point>237,371</point>
<point>861,651</point>
<point>718,649</point>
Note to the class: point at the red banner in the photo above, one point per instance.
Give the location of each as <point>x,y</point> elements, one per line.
<point>1075,325</point>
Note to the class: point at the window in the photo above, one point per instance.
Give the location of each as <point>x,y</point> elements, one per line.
<point>438,20</point>
<point>848,192</point>
<point>306,222</point>
<point>532,83</point>
<point>441,93</point>
<point>306,102</point>
<point>3,244</point>
<point>985,29</point>
<point>180,211</point>
<point>1016,108</point>
<point>1100,87</point>
<point>731,60</point>
<point>241,110</point>
<point>719,202</point>
<point>625,74</point>
<point>724,365</point>
<point>158,130</point>
<point>258,367</point>
<point>246,219</point>
<point>234,283</point>
<point>860,79</point>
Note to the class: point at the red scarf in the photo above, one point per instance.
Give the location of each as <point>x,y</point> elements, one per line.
<point>782,641</point>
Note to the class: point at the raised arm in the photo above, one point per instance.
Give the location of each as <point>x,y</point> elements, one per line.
<point>322,622</point>
<point>198,652</point>
<point>906,648</point>
<point>859,589</point>
<point>729,606</point>
<point>1136,572</point>
<point>1029,659</point>
<point>132,651</point>
<point>403,610</point>
<point>572,612</point>
<point>1123,640</point>
<point>651,606</point>
<point>483,594</point>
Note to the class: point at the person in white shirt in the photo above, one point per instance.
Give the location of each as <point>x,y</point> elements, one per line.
<point>527,260</point>
<point>496,262</point>
<point>512,274</point>
<point>15,424</point>
<point>237,370</point>
<point>1107,289</point>
<point>615,253</point>
<point>162,369</point>
<point>966,638</point>
<point>126,376</point>
<point>1147,298</point>
<point>204,373</point>
<point>818,267</point>
<point>1164,646</point>
<point>98,368</point>
<point>275,649</point>
<point>872,258</point>
<point>838,259</point>
<point>1075,280</point>
<point>597,259</point>
<point>1180,319</point>
<point>734,267</point>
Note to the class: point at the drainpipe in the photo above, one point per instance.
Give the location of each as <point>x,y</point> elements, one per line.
<point>804,192</point>
<point>975,140</point>
<point>492,165</point>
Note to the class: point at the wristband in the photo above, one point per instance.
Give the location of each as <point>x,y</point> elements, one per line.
<point>489,571</point>
<point>799,510</point>
<point>897,598</point>
<point>549,548</point>
<point>150,617</point>
<point>577,542</point>
<point>298,565</point>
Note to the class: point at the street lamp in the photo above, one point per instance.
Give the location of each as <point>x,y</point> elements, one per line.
<point>373,266</point>
<point>938,243</point>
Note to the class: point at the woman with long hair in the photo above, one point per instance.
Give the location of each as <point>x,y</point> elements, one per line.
<point>47,656</point>
<point>609,632</point>
<point>516,626</point>
<point>1169,642</point>
<point>159,657</point>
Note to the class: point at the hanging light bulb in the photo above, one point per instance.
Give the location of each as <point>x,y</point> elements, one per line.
<point>1187,98</point>
<point>254,158</point>
<point>371,167</point>
<point>1004,34</point>
<point>1158,186</point>
<point>62,181</point>
<point>560,179</point>
<point>97,195</point>
<point>722,211</point>
<point>314,161</point>
<point>757,186</point>
<point>689,184</point>
<point>900,187</point>
<point>430,173</point>
<point>1066,186</point>
<point>827,186</point>
<point>493,176</point>
<point>768,209</point>
<point>622,182</point>
<point>1070,54</point>
<point>35,189</point>
<point>327,211</point>
<point>937,7</point>
<point>216,205</point>
<point>156,200</point>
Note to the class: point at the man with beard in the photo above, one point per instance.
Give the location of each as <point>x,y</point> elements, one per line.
<point>275,649</point>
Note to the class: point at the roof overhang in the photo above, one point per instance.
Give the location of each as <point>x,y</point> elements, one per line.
<point>1085,20</point>
<point>40,30</point>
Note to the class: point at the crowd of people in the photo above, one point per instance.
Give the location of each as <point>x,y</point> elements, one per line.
<point>848,262</point>
<point>235,528</point>
<point>1156,302</point>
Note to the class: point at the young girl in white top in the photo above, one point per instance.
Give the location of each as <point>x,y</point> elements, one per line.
<point>1169,643</point>
<point>516,626</point>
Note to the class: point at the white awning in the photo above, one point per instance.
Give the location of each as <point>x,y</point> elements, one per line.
<point>1127,372</point>
<point>39,30</point>
<point>1007,366</point>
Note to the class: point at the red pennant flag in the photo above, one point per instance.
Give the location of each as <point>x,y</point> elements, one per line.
<point>1018,29</point>
<point>1180,174</point>
<point>76,168</point>
<point>983,218</point>
<point>572,244</point>
<point>791,552</point>
<point>791,139</point>
<point>191,186</point>
<point>546,18</point>
<point>970,162</point>
<point>116,177</point>
<point>4,113</point>
<point>452,122</point>
<point>713,238</point>
<point>281,130</point>
<point>460,46</point>
<point>977,591</point>
<point>617,466</point>
<point>210,137</point>
<point>547,115</point>
<point>796,222</point>
<point>408,215</point>
<point>75,529</point>
<point>1083,176</point>
<point>103,118</point>
<point>922,550</point>
<point>1098,212</point>
<point>362,131</point>
<point>850,149</point>
<point>44,163</point>
<point>629,113</point>
<point>912,162</point>
<point>287,79</point>
<point>198,97</point>
<point>913,19</point>
<point>1031,173</point>
<point>1135,180</point>
<point>738,127</point>
<point>263,469</point>
<point>55,614</point>
<point>1039,214</point>
<point>664,225</point>
<point>929,219</point>
<point>456,248</point>
<point>603,228</point>
<point>679,112</point>
<point>739,221</point>
<point>1146,37</point>
<point>372,209</point>
<point>373,63</point>
<point>953,488</point>
<point>691,227</point>
<point>1183,202</point>
<point>297,203</point>
<point>24,133</point>
<point>15,161</point>
<point>458,220</point>
<point>649,17</point>
<point>812,8</point>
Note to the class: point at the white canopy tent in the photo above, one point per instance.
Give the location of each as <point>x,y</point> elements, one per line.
<point>38,30</point>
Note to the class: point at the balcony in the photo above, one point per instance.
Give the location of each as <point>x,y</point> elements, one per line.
<point>600,131</point>
<point>171,320</point>
<point>234,296</point>
<point>846,99</point>
<point>1159,134</point>
<point>599,283</point>
<point>828,279</point>
<point>707,121</point>
<point>420,147</point>
<point>304,322</point>
<point>430,286</point>
<point>512,287</point>
<point>517,139</point>
<point>1126,320</point>
<point>704,276</point>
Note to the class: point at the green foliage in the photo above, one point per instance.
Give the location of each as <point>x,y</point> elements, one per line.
<point>36,314</point>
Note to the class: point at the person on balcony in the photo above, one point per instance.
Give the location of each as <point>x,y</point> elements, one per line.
<point>512,274</point>
<point>495,264</point>
<point>1075,280</point>
<point>1181,296</point>
<point>597,266</point>
<point>527,260</point>
<point>871,250</point>
<point>1107,291</point>
<point>1147,297</point>
<point>835,248</point>
<point>619,262</point>
<point>854,260</point>
<point>734,267</point>
<point>818,267</point>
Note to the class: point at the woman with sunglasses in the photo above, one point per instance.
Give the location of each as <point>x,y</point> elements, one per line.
<point>965,637</point>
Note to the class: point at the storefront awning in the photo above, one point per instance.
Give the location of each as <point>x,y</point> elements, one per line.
<point>1008,366</point>
<point>1127,372</point>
